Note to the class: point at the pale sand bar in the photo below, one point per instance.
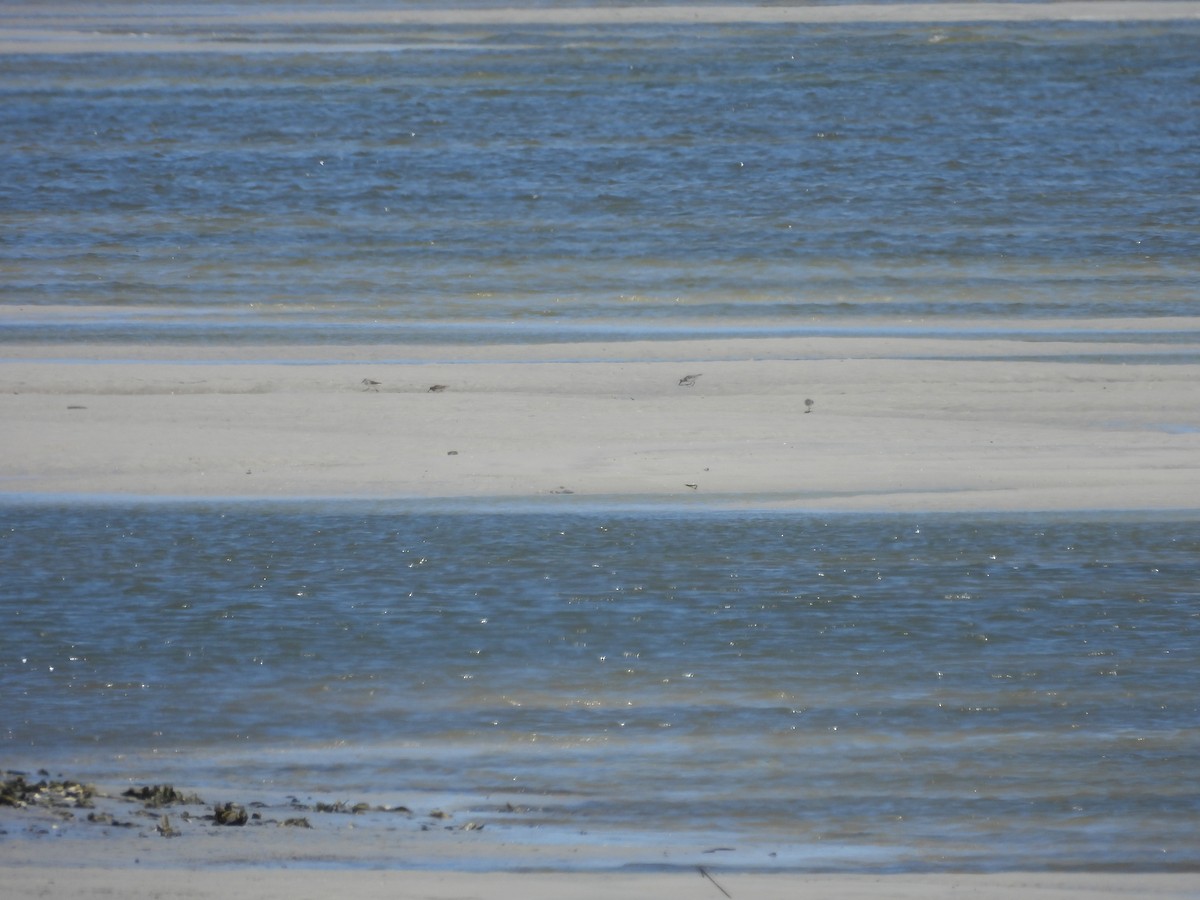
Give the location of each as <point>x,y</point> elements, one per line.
<point>197,27</point>
<point>908,421</point>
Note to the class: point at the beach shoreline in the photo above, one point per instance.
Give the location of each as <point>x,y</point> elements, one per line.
<point>153,841</point>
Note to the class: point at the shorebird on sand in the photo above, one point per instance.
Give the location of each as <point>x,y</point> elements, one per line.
<point>688,380</point>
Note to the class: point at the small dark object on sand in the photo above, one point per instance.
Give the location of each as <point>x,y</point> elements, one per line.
<point>437,388</point>
<point>230,814</point>
<point>689,380</point>
<point>370,385</point>
<point>156,795</point>
<point>808,405</point>
<point>166,829</point>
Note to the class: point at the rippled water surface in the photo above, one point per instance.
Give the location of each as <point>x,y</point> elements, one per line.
<point>397,183</point>
<point>904,692</point>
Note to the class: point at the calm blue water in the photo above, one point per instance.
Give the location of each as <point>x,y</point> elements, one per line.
<point>849,692</point>
<point>395,184</point>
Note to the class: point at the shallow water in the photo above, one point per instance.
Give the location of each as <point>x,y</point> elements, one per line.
<point>467,183</point>
<point>902,692</point>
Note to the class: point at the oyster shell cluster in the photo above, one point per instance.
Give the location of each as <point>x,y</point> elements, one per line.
<point>17,791</point>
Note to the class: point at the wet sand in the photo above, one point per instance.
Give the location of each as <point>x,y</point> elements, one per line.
<point>166,843</point>
<point>291,884</point>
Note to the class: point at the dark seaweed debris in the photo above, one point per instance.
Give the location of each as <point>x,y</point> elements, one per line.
<point>342,806</point>
<point>230,814</point>
<point>155,796</point>
<point>61,796</point>
<point>104,818</point>
<point>18,792</point>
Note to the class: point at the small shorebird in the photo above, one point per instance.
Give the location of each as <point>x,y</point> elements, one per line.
<point>808,405</point>
<point>436,388</point>
<point>370,385</point>
<point>689,380</point>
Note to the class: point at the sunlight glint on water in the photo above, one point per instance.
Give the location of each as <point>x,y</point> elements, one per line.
<point>529,180</point>
<point>910,686</point>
